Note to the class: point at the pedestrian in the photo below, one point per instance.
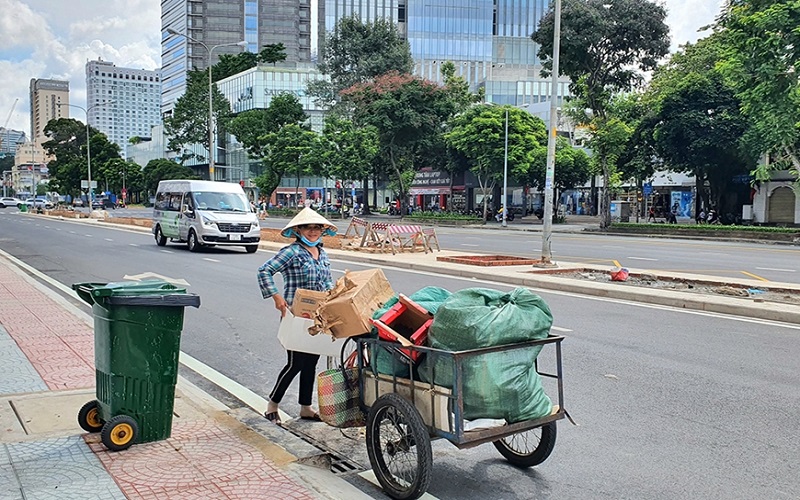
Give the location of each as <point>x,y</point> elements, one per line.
<point>701,217</point>
<point>303,264</point>
<point>651,215</point>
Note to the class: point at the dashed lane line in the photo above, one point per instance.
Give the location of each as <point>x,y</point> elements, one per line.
<point>642,258</point>
<point>210,260</point>
<point>776,269</point>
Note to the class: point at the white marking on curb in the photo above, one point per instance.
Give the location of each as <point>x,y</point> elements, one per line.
<point>641,258</point>
<point>776,269</point>
<point>210,260</point>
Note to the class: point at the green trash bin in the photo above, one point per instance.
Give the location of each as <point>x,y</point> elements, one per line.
<point>23,207</point>
<point>137,336</point>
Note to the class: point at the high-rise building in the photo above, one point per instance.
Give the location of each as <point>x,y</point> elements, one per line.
<point>215,22</point>
<point>49,100</point>
<point>9,138</point>
<point>134,97</point>
<point>488,41</point>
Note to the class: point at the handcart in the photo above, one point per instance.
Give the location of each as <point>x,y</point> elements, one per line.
<point>404,414</point>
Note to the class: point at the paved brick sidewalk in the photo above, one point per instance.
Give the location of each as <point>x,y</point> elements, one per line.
<point>46,353</point>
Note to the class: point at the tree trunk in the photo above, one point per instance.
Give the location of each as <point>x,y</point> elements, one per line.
<point>403,201</point>
<point>365,203</point>
<point>605,216</point>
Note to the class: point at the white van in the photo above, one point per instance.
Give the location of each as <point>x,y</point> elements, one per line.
<point>204,213</point>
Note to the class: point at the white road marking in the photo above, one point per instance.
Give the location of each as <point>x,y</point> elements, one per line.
<point>108,239</point>
<point>776,269</point>
<point>47,227</point>
<point>72,232</point>
<point>210,260</point>
<point>469,245</point>
<point>167,251</point>
<point>641,258</point>
<point>133,244</point>
<point>370,476</point>
<point>88,235</point>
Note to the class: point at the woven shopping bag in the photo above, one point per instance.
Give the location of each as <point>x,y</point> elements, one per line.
<point>339,396</point>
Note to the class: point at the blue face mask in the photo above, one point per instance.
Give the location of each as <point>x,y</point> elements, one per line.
<point>309,243</point>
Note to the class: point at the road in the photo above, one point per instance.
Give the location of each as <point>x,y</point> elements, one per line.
<point>671,404</point>
<point>745,260</point>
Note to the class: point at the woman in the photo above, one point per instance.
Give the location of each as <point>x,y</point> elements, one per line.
<point>303,264</point>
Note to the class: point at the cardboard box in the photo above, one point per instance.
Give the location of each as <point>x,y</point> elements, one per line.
<point>407,323</point>
<point>432,405</point>
<point>307,302</point>
<point>352,302</point>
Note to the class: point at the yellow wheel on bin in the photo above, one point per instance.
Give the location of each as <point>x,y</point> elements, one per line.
<point>89,417</point>
<point>119,433</point>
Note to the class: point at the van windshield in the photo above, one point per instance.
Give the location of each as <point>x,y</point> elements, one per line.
<point>225,202</point>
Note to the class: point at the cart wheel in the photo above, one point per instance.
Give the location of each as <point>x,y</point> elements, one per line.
<point>528,448</point>
<point>399,447</point>
<point>119,433</point>
<point>89,417</point>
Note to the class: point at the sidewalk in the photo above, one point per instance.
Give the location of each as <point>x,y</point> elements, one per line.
<point>47,374</point>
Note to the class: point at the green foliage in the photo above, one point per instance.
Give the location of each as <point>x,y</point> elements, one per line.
<point>605,45</point>
<point>189,121</point>
<point>479,135</point>
<point>288,151</point>
<point>161,170</point>
<point>68,144</point>
<point>760,63</point>
<point>272,53</point>
<point>708,228</point>
<point>405,110</point>
<point>356,52</point>
<point>112,173</point>
<point>348,151</point>
<point>251,127</point>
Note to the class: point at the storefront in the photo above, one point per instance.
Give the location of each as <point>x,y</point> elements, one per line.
<point>431,190</point>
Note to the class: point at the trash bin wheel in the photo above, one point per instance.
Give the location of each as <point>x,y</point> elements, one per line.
<point>528,448</point>
<point>89,417</point>
<point>399,447</point>
<point>119,433</point>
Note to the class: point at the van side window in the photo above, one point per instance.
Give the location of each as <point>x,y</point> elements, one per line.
<point>162,201</point>
<point>175,202</point>
<point>188,201</point>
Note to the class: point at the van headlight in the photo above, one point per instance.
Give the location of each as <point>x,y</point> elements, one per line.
<point>254,225</point>
<point>207,221</point>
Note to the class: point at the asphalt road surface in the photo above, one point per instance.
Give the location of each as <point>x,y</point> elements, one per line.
<point>671,403</point>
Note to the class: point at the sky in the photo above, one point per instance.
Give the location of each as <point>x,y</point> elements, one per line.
<point>55,39</point>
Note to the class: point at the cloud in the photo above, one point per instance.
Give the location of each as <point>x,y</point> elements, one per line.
<point>686,18</point>
<point>55,39</point>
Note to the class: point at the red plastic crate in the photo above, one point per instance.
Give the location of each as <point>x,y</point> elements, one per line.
<point>413,322</point>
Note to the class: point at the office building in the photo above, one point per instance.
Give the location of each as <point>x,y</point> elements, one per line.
<point>215,22</point>
<point>49,99</point>
<point>134,97</point>
<point>488,41</point>
<point>9,138</point>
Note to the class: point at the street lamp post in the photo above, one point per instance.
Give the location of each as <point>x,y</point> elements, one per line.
<point>505,175</point>
<point>547,229</point>
<point>88,141</point>
<point>209,51</point>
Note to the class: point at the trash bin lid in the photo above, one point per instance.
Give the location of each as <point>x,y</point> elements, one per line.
<point>148,292</point>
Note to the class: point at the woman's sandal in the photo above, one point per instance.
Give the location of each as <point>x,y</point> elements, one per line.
<point>273,417</point>
<point>314,417</point>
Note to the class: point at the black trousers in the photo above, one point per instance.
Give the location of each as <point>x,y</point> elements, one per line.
<point>298,362</point>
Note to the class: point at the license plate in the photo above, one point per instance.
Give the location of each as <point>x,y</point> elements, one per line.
<point>235,237</point>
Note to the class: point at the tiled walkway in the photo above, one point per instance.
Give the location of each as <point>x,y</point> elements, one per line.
<point>44,348</point>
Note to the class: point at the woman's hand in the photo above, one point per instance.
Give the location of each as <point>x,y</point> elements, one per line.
<point>280,304</point>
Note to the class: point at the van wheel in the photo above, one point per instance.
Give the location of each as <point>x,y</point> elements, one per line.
<point>161,240</point>
<point>251,248</point>
<point>192,243</point>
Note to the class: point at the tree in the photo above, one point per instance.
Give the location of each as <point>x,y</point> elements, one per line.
<point>162,169</point>
<point>479,135</point>
<point>348,151</point>
<point>68,144</point>
<point>405,110</point>
<point>231,64</point>
<point>356,52</point>
<point>605,47</point>
<point>574,167</point>
<point>285,152</point>
<point>272,53</point>
<point>760,63</point>
<point>189,121</point>
<point>250,127</point>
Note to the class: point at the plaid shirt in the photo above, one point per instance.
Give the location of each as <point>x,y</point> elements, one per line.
<point>299,270</point>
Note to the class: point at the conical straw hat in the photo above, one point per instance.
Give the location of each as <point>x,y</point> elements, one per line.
<point>309,216</point>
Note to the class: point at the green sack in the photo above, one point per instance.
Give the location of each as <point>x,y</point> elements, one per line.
<point>496,385</point>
